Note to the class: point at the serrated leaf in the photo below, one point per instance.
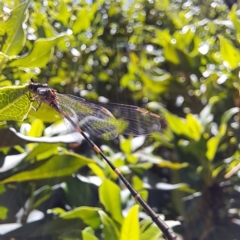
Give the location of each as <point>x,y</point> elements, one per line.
<point>109,194</point>
<point>14,103</point>
<point>130,227</point>
<point>56,166</point>
<point>40,55</point>
<point>109,227</point>
<point>12,34</point>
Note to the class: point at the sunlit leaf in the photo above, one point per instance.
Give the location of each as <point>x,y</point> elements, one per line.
<point>88,215</point>
<point>205,115</point>
<point>14,103</point>
<point>189,127</point>
<point>64,13</point>
<point>234,18</point>
<point>85,17</point>
<point>156,85</point>
<point>130,227</point>
<point>162,4</point>
<point>212,146</point>
<point>151,232</point>
<point>213,143</point>
<point>42,151</point>
<point>137,183</point>
<point>56,166</point>
<point>125,145</point>
<point>217,170</point>
<point>37,128</point>
<point>229,53</point>
<point>170,187</point>
<point>12,35</point>
<point>170,54</point>
<point>109,227</point>
<point>46,114</point>
<point>40,55</point>
<point>13,138</point>
<point>88,236</point>
<point>228,114</point>
<point>171,165</point>
<point>109,194</point>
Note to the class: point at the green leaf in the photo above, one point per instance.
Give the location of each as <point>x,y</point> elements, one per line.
<point>46,114</point>
<point>85,17</point>
<point>88,215</point>
<point>169,187</point>
<point>37,128</point>
<point>88,236</point>
<point>234,18</point>
<point>109,227</point>
<point>3,60</point>
<point>64,13</point>
<point>159,161</point>
<point>42,151</point>
<point>14,103</point>
<point>229,53</point>
<point>156,84</point>
<point>12,35</point>
<point>194,126</point>
<point>189,127</point>
<point>125,145</point>
<point>40,55</point>
<point>130,227</point>
<point>212,146</point>
<point>228,114</point>
<point>3,213</point>
<point>109,194</point>
<point>56,166</point>
<point>42,195</point>
<point>213,143</point>
<point>171,165</point>
<point>151,232</point>
<point>171,54</point>
<point>2,188</point>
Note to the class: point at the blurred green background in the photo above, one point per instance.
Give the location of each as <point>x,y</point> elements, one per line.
<point>180,59</point>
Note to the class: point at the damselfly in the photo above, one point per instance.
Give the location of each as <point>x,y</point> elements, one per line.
<point>105,122</point>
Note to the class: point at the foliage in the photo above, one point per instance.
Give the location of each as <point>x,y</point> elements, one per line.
<point>181,54</point>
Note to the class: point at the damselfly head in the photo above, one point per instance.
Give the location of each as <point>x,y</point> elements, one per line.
<point>33,87</point>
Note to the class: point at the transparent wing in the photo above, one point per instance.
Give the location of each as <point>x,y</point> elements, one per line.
<point>91,118</point>
<point>140,121</point>
<point>109,120</point>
